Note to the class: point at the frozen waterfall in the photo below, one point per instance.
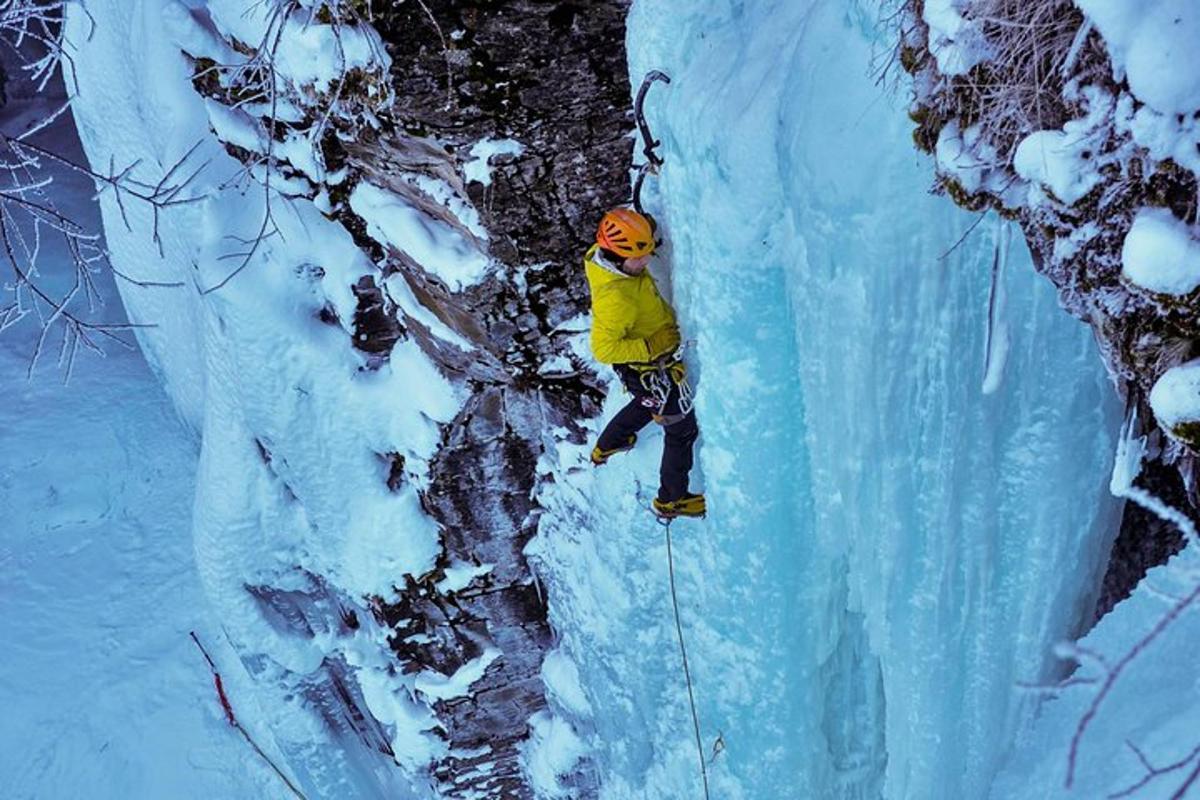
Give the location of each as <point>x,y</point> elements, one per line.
<point>889,551</point>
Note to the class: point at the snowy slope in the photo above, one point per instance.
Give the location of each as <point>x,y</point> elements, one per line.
<point>1140,740</point>
<point>104,694</point>
<point>889,550</point>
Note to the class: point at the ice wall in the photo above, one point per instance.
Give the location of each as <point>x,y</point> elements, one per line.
<point>889,550</point>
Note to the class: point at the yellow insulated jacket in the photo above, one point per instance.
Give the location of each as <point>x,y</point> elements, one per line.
<point>626,310</point>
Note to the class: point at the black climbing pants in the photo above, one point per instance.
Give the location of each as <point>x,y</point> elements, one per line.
<point>678,436</point>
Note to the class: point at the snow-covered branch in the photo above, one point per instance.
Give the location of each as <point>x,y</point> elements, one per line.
<point>280,114</point>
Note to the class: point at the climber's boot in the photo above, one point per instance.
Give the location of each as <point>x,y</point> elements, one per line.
<point>690,505</point>
<point>601,457</point>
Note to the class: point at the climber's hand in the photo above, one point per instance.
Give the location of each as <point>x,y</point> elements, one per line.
<point>663,342</point>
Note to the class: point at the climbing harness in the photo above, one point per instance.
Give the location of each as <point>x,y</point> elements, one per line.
<point>659,378</point>
<point>649,143</point>
<point>719,744</point>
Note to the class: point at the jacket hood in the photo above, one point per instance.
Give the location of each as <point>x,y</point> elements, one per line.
<point>596,256</point>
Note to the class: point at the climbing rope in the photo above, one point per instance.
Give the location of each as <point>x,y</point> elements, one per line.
<point>687,674</point>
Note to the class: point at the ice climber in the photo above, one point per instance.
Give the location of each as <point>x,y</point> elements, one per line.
<point>634,330</point>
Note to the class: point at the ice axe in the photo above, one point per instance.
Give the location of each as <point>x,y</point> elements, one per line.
<point>649,143</point>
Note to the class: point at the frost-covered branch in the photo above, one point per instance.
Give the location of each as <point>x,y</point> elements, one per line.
<point>1113,674</point>
<point>31,31</point>
<point>274,102</point>
<point>1126,466</point>
<point>1153,773</point>
<point>29,217</point>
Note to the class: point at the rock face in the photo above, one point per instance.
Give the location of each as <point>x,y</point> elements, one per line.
<point>1027,112</point>
<point>552,77</point>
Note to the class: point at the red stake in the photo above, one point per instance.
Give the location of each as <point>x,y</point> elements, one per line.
<point>228,709</point>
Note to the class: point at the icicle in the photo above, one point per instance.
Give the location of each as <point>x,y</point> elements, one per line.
<point>1127,464</point>
<point>996,343</point>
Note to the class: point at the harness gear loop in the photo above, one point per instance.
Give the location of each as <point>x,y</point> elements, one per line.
<point>658,380</point>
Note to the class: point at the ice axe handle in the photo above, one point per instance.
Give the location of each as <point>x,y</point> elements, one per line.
<point>653,160</point>
<point>648,140</point>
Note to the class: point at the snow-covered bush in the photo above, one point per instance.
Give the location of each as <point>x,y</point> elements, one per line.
<point>1175,399</point>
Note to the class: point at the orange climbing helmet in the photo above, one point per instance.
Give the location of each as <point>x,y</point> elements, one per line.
<point>626,232</point>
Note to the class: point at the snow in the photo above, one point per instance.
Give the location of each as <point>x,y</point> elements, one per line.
<point>561,676</point>
<point>1160,253</point>
<point>1175,397</point>
<point>104,694</point>
<point>956,155</point>
<point>399,292</point>
<point>479,167</point>
<point>235,126</point>
<point>304,51</point>
<point>957,43</point>
<point>1165,136</point>
<point>1152,43</point>
<point>556,365</point>
<point>553,749</point>
<point>1059,161</point>
<point>436,686</point>
<point>195,35</point>
<point>295,426</point>
<point>460,575</point>
<point>437,247</point>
